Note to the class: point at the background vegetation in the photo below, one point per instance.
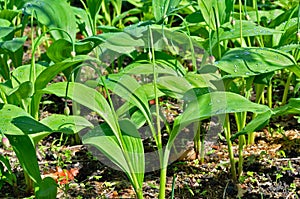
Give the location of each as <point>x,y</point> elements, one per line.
<point>119,66</point>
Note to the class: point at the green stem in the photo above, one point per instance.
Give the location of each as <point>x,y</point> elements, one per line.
<point>241,158</point>
<point>217,30</point>
<point>241,24</point>
<point>5,71</point>
<point>202,149</point>
<point>134,179</point>
<point>139,193</point>
<point>259,98</point>
<point>106,12</point>
<point>194,62</point>
<point>286,88</point>
<point>269,95</point>
<point>197,140</point>
<point>261,40</point>
<point>163,166</point>
<point>229,145</point>
<point>163,182</point>
<point>152,56</point>
<point>29,183</point>
<point>33,47</point>
<point>173,186</point>
<point>32,76</point>
<point>259,92</point>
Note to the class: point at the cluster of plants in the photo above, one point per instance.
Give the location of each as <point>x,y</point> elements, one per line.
<point>120,59</point>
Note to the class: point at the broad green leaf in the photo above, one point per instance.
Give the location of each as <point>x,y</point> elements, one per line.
<point>107,29</point>
<point>129,110</point>
<point>202,80</point>
<point>28,125</point>
<point>191,94</point>
<point>58,122</point>
<point>174,41</point>
<point>133,11</point>
<point>244,62</point>
<point>61,49</point>
<point>173,86</point>
<point>264,78</point>
<point>211,104</point>
<point>176,87</point>
<point>46,189</point>
<point>217,103</point>
<point>289,47</point>
<point>94,7</point>
<point>9,14</point>
<point>8,112</point>
<point>293,107</point>
<point>54,123</point>
<point>149,91</point>
<point>23,91</point>
<point>134,147</point>
<point>138,118</point>
<point>13,45</point>
<point>161,9</point>
<point>83,20</point>
<point>255,124</point>
<point>51,71</point>
<point>87,97</point>
<point>22,73</point>
<point>4,23</point>
<point>227,31</point>
<point>14,49</point>
<point>121,42</point>
<point>25,150</point>
<point>165,64</point>
<point>195,17</point>
<point>222,10</point>
<point>129,89</point>
<point>290,36</point>
<point>4,31</point>
<point>116,42</point>
<point>269,15</point>
<point>285,16</point>
<point>53,14</point>
<point>129,155</point>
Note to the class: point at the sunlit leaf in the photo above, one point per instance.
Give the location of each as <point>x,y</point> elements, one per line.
<point>244,62</point>
<point>132,155</point>
<point>59,122</point>
<point>26,153</point>
<point>46,189</point>
<point>61,49</point>
<point>53,14</point>
<point>8,112</point>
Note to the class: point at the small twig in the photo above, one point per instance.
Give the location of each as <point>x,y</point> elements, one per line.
<point>287,159</point>
<point>224,193</point>
<point>56,162</point>
<point>289,195</point>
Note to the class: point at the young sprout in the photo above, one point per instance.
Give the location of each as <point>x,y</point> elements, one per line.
<point>73,53</point>
<point>247,17</point>
<point>212,59</point>
<point>232,22</point>
<point>67,110</point>
<point>298,35</point>
<point>5,142</point>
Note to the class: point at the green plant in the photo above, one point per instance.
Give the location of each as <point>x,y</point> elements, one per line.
<point>6,173</point>
<point>249,46</point>
<point>21,87</point>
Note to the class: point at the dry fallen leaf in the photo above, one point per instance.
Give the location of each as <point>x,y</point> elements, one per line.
<point>62,176</point>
